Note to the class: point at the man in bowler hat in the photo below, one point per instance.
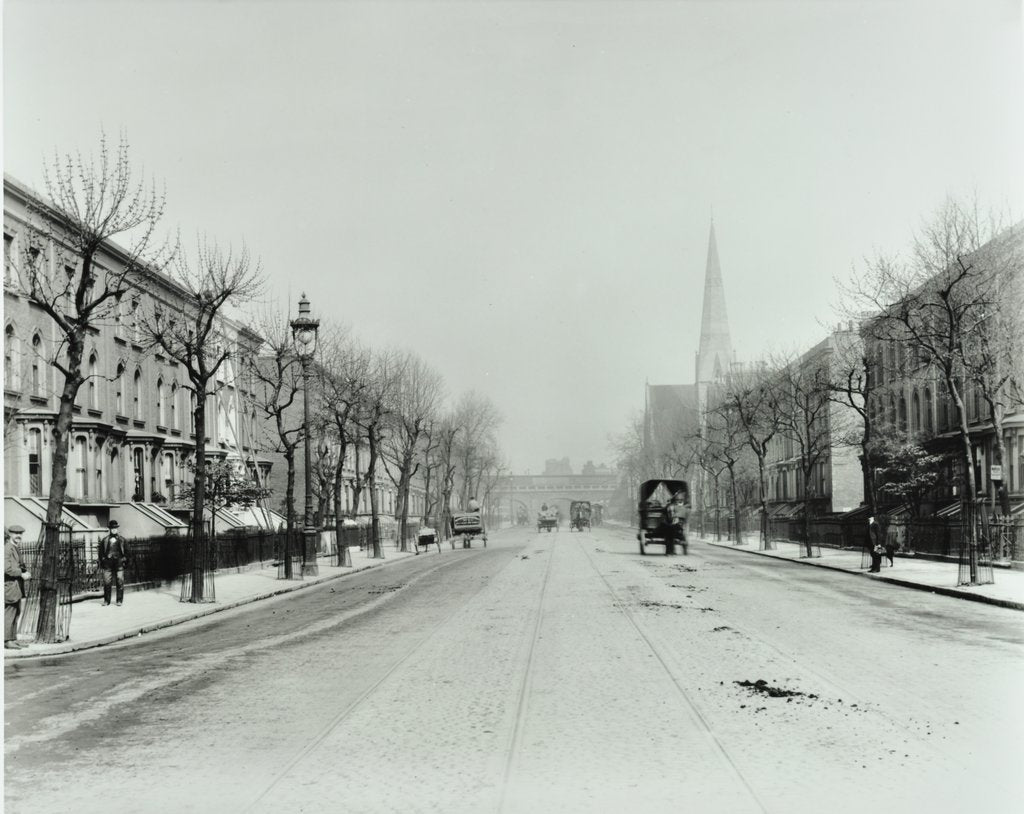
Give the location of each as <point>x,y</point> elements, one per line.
<point>15,574</point>
<point>113,554</point>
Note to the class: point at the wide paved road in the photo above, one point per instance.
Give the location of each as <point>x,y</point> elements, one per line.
<point>553,672</point>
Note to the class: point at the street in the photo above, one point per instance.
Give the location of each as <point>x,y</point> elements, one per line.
<point>547,672</point>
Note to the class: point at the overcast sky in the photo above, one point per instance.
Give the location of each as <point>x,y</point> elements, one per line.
<point>522,192</point>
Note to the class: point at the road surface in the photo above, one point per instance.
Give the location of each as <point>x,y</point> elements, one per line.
<point>545,673</point>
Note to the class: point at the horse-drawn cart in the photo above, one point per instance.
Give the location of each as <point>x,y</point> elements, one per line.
<point>662,511</point>
<point>579,515</point>
<point>468,526</point>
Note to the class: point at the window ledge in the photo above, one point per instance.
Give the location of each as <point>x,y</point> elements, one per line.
<point>121,419</point>
<point>40,400</point>
<point>138,423</point>
<point>160,428</point>
<point>95,413</point>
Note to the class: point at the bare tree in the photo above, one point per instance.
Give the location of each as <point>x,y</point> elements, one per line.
<point>417,394</point>
<point>728,445</point>
<point>91,202</point>
<point>479,420</point>
<point>344,379</point>
<point>753,398</point>
<point>935,305</point>
<point>276,374</point>
<point>378,406</point>
<point>804,404</point>
<point>193,332</point>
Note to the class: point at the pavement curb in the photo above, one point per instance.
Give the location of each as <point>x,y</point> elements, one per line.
<point>66,648</point>
<point>903,583</point>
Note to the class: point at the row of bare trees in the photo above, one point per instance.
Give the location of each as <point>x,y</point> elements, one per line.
<point>948,317</point>
<point>375,410</point>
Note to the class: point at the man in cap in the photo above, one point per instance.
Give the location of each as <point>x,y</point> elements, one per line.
<point>15,574</point>
<point>113,554</point>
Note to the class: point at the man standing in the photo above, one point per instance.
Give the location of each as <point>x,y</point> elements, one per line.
<point>875,545</point>
<point>112,558</point>
<point>675,517</point>
<point>15,574</point>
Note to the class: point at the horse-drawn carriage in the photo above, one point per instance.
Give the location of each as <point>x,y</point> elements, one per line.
<point>662,510</point>
<point>547,519</point>
<point>468,526</point>
<point>579,515</point>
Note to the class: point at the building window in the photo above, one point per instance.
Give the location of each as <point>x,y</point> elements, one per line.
<point>35,462</point>
<point>916,404</point>
<point>138,475</point>
<point>161,404</point>
<point>93,377</point>
<point>81,466</point>
<point>119,398</point>
<point>168,476</point>
<point>928,424</point>
<point>174,406</point>
<point>11,378</point>
<point>137,395</point>
<point>37,373</point>
<point>10,276</point>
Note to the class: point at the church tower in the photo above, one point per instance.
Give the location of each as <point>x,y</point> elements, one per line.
<point>714,353</point>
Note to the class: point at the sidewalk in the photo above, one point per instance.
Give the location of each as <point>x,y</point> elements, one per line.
<point>908,572</point>
<point>93,625</point>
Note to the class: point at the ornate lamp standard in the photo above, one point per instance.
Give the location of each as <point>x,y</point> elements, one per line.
<point>304,335</point>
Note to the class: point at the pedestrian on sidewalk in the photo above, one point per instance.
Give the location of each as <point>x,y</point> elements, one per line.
<point>874,542</point>
<point>15,574</point>
<point>113,554</point>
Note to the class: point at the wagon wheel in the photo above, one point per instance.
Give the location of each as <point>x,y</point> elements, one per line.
<point>641,537</point>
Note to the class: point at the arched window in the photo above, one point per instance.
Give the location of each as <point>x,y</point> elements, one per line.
<point>37,360</point>
<point>174,405</point>
<point>903,413</point>
<point>161,403</point>
<point>121,385</point>
<point>93,401</point>
<point>916,406</point>
<point>11,377</point>
<point>928,424</point>
<point>137,395</point>
<point>976,401</point>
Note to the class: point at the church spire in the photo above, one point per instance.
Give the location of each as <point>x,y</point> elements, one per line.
<point>714,354</point>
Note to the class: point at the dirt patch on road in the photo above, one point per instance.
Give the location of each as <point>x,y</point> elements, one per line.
<point>764,688</point>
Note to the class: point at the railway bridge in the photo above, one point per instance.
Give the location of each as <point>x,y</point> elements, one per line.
<point>517,494</point>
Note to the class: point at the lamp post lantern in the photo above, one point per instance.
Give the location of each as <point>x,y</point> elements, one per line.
<point>304,335</point>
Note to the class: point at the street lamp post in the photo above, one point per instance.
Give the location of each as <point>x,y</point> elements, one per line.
<point>304,335</point>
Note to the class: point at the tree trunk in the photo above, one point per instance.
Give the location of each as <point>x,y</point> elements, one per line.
<point>969,493</point>
<point>344,557</point>
<point>737,525</point>
<point>199,542</point>
<point>46,626</point>
<point>371,477</point>
<point>289,510</point>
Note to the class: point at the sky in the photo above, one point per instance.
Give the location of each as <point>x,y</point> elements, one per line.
<point>522,192</point>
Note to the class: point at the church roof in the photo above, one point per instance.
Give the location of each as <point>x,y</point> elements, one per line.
<point>714,354</point>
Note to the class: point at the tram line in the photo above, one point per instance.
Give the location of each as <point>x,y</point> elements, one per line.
<point>339,718</point>
<point>691,706</point>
